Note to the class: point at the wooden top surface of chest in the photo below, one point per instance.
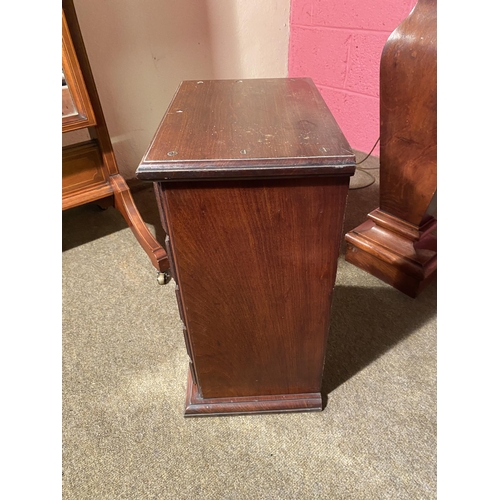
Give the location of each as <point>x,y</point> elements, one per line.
<point>247,129</point>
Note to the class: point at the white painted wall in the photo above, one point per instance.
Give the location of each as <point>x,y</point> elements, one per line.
<point>141,50</point>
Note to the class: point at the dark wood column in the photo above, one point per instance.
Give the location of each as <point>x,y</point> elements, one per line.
<point>398,243</point>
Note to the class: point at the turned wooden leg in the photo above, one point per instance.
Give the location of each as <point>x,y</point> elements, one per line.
<point>397,243</point>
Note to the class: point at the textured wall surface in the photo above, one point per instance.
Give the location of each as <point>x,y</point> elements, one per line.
<point>338,43</point>
<point>141,51</point>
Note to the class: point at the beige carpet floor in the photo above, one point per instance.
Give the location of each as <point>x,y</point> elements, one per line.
<point>124,382</point>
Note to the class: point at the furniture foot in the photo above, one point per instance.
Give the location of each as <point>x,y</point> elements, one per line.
<point>163,277</point>
<point>197,406</point>
<point>391,249</point>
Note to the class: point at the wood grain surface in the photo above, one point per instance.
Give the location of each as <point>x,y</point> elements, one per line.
<point>255,263</point>
<point>408,116</point>
<point>256,127</point>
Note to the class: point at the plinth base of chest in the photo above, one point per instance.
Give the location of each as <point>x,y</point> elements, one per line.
<point>196,406</point>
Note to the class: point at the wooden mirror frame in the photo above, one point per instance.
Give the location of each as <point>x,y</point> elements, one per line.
<point>84,116</point>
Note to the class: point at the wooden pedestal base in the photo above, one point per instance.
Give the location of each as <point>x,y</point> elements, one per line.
<point>402,255</point>
<point>196,406</point>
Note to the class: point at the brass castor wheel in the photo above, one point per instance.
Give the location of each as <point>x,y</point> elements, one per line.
<point>163,278</point>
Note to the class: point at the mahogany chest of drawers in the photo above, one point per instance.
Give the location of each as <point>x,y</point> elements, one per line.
<point>251,179</point>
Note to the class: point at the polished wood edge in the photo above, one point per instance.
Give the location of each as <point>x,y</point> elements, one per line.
<point>163,172</point>
<point>76,86</point>
<point>196,406</point>
<point>402,227</point>
<point>126,205</point>
<point>338,161</point>
<point>84,196</point>
<point>405,264</point>
<point>76,122</point>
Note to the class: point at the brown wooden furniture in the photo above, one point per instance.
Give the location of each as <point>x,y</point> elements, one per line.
<point>251,178</point>
<point>397,243</point>
<point>89,169</point>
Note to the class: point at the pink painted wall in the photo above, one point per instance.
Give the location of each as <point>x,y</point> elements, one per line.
<point>338,43</point>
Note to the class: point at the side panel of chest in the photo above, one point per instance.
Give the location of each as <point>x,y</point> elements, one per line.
<point>255,262</point>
